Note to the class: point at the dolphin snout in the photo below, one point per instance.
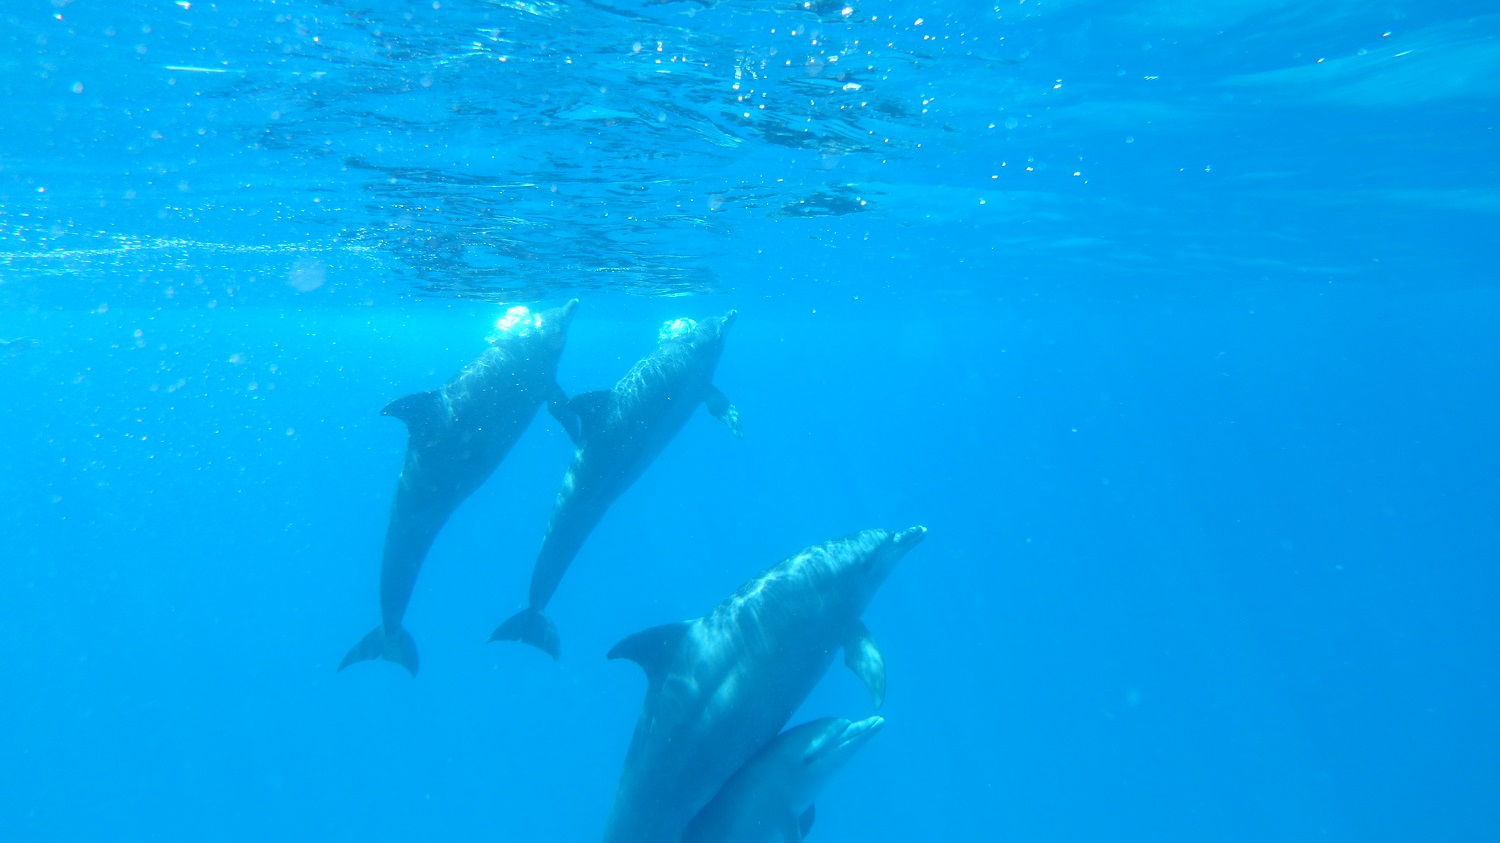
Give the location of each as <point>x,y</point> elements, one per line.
<point>910,536</point>
<point>728,318</point>
<point>859,731</point>
<point>560,317</point>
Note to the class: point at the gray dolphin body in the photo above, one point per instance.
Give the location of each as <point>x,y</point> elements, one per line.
<point>621,431</point>
<point>770,799</point>
<point>719,688</point>
<point>457,435</point>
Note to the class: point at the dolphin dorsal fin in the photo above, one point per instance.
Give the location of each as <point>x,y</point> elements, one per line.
<point>804,822</point>
<point>653,648</point>
<point>422,411</point>
<point>862,657</point>
<point>592,409</point>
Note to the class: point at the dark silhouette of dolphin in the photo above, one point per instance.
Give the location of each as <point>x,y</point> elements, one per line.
<point>621,431</point>
<point>457,435</point>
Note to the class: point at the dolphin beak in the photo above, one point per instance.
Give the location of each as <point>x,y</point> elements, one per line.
<point>856,733</point>
<point>910,537</point>
<point>728,319</point>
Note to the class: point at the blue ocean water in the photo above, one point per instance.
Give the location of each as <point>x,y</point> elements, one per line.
<point>1175,323</point>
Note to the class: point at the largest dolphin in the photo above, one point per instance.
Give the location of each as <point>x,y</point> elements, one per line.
<point>719,688</point>
<point>621,431</point>
<point>457,435</point>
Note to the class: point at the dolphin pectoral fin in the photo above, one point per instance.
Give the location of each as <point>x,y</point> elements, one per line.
<point>791,828</point>
<point>862,657</point>
<point>653,648</point>
<point>720,408</point>
<point>557,405</point>
<point>531,627</point>
<point>395,647</point>
<point>804,822</point>
<point>592,409</point>
<point>423,412</point>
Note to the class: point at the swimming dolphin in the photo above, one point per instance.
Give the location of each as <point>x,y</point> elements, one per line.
<point>16,345</point>
<point>719,688</point>
<point>457,435</point>
<point>770,799</point>
<point>621,430</point>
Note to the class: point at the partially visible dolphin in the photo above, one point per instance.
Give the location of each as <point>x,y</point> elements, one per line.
<point>770,799</point>
<point>16,345</point>
<point>719,688</point>
<point>457,435</point>
<point>622,430</point>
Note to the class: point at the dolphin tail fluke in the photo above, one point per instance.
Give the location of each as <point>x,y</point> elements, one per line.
<point>396,646</point>
<point>532,627</point>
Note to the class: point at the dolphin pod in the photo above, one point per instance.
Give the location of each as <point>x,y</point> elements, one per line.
<point>456,436</point>
<point>770,799</point>
<point>621,431</point>
<point>708,761</point>
<point>719,688</point>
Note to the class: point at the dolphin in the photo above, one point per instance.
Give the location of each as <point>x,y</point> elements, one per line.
<point>719,688</point>
<point>621,431</point>
<point>456,436</point>
<point>16,345</point>
<point>770,799</point>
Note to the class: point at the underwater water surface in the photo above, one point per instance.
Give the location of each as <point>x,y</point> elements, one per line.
<point>1174,323</point>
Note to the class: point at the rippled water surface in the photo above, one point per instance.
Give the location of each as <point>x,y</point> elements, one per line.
<point>512,149</point>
